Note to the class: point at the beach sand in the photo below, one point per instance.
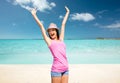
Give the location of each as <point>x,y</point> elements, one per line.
<point>80,73</point>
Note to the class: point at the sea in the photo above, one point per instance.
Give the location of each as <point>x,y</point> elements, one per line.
<point>35,51</point>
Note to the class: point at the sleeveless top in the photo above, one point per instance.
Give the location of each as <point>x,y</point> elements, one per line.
<point>58,50</point>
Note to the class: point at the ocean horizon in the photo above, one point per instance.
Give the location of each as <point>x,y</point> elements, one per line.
<point>79,51</point>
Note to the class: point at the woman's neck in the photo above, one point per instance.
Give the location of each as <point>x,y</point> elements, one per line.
<point>56,39</point>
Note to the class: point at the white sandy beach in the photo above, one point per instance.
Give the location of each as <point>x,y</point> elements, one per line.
<point>81,73</point>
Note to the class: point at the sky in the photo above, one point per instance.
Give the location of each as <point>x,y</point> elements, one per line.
<point>88,18</point>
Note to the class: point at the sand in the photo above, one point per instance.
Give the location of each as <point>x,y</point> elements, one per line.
<point>80,73</point>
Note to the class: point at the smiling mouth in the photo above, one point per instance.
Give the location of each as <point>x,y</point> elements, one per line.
<point>52,34</point>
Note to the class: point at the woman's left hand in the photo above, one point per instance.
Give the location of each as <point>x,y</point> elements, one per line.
<point>67,9</point>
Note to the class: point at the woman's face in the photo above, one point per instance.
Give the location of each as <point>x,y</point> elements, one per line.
<point>52,33</point>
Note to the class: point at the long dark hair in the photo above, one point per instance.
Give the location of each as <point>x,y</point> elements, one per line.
<point>57,34</point>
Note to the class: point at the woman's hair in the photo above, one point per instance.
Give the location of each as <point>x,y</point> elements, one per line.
<point>57,34</point>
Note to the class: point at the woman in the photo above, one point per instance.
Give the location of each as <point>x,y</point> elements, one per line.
<point>59,70</point>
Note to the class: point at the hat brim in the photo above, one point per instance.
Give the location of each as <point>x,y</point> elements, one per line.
<point>52,28</point>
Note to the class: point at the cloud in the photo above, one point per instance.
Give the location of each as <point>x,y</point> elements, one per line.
<point>101,12</point>
<point>113,26</point>
<point>60,17</point>
<point>40,5</point>
<point>42,21</point>
<point>82,17</point>
<point>96,24</point>
<point>14,24</point>
<point>53,4</point>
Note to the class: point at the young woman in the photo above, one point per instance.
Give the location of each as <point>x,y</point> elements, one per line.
<point>59,70</point>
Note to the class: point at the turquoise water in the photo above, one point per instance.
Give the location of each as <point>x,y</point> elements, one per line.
<point>78,52</point>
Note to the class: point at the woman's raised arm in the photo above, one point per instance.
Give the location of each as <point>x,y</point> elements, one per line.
<point>63,23</point>
<point>46,38</point>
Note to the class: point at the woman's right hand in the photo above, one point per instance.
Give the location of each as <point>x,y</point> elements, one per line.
<point>33,11</point>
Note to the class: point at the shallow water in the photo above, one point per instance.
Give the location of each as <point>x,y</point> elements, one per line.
<point>78,52</point>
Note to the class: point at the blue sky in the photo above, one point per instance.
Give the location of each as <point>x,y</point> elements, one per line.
<point>88,18</point>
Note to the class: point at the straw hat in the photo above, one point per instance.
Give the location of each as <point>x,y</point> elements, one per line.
<point>52,26</point>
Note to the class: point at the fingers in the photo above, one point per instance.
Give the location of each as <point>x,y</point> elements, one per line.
<point>33,10</point>
<point>67,9</point>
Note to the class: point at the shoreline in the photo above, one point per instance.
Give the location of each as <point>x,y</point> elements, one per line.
<point>78,73</point>
<point>72,39</point>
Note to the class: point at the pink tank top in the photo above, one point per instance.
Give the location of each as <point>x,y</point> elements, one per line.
<point>58,50</point>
